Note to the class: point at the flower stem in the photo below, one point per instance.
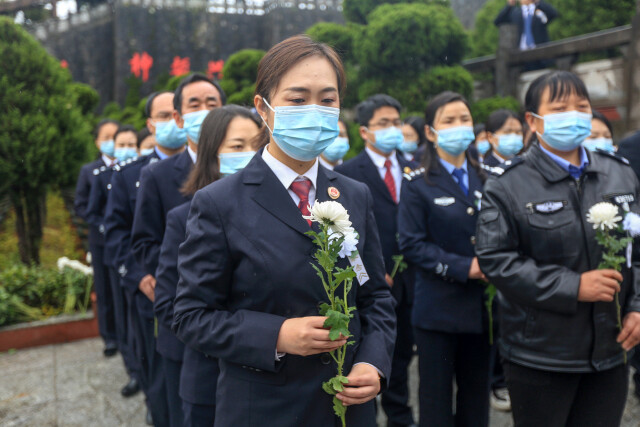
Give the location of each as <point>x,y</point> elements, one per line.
<point>618,311</point>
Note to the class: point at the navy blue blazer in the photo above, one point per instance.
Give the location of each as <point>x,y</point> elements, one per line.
<point>100,187</point>
<point>83,190</point>
<point>361,168</point>
<point>118,221</point>
<point>196,365</point>
<point>245,267</point>
<point>490,160</point>
<point>513,15</point>
<point>159,192</point>
<point>436,226</point>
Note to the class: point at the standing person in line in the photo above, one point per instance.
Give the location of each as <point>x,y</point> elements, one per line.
<point>481,142</point>
<point>601,137</point>
<point>333,155</point>
<point>104,132</point>
<point>248,294</point>
<point>504,133</point>
<point>414,137</point>
<point>436,226</point>
<point>134,282</point>
<point>563,350</point>
<point>146,142</point>
<point>226,146</point>
<point>380,166</point>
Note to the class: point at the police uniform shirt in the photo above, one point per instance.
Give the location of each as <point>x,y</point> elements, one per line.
<point>107,161</point>
<point>160,154</point>
<point>573,170</point>
<point>378,161</point>
<point>450,168</point>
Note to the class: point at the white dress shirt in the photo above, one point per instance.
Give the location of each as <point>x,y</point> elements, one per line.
<point>328,165</point>
<point>107,161</point>
<point>192,154</point>
<point>286,175</point>
<point>396,171</point>
<point>527,10</point>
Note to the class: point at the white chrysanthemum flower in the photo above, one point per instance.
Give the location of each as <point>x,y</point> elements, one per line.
<point>631,224</point>
<point>603,215</point>
<point>332,214</point>
<point>349,244</point>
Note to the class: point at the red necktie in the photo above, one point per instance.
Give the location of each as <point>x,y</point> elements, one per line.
<point>389,181</point>
<point>301,189</point>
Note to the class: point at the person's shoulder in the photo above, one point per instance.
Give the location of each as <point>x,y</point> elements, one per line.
<point>630,142</point>
<point>179,213</point>
<point>505,168</point>
<point>346,180</point>
<point>414,175</point>
<point>611,157</point>
<point>349,164</point>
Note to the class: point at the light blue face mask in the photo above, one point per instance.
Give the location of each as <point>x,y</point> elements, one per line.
<point>594,144</point>
<point>565,131</point>
<point>337,150</point>
<point>193,123</point>
<point>408,146</point>
<point>455,140</point>
<point>510,145</point>
<point>231,163</point>
<point>303,132</point>
<point>483,146</point>
<point>124,153</point>
<point>169,135</point>
<point>146,151</point>
<point>107,147</point>
<point>388,139</point>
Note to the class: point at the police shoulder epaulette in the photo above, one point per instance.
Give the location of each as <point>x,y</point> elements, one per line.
<point>410,176</point>
<point>117,167</point>
<point>501,169</point>
<point>616,156</point>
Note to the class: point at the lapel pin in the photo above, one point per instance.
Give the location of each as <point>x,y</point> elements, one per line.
<point>333,192</point>
<point>407,170</point>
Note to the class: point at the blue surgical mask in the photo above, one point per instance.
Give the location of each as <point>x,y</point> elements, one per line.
<point>455,140</point>
<point>594,144</point>
<point>388,139</point>
<point>231,163</point>
<point>303,132</point>
<point>193,123</point>
<point>337,150</point>
<point>169,135</point>
<point>565,131</point>
<point>146,151</point>
<point>510,145</point>
<point>107,147</point>
<point>483,146</point>
<point>408,146</point>
<point>124,153</point>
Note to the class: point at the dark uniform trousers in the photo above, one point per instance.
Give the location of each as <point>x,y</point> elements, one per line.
<point>101,282</point>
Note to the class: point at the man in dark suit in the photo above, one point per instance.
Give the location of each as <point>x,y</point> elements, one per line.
<point>105,130</point>
<point>381,167</point>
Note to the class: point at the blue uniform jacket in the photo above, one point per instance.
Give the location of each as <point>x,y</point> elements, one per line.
<point>100,186</point>
<point>436,225</point>
<point>159,192</point>
<point>196,365</point>
<point>83,190</point>
<point>385,210</point>
<point>245,267</point>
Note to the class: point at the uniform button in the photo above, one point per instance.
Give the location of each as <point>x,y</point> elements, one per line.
<point>470,211</point>
<point>325,359</point>
<point>473,240</point>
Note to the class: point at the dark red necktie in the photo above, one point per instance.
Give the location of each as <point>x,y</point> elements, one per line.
<point>389,181</point>
<point>301,189</point>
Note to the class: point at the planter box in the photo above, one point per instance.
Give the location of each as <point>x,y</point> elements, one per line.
<point>55,330</point>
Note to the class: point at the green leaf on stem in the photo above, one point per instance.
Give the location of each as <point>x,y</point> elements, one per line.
<point>324,307</point>
<point>339,409</point>
<point>342,274</point>
<point>339,324</point>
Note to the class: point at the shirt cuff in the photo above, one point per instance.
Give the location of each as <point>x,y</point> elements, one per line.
<point>365,363</point>
<point>279,356</point>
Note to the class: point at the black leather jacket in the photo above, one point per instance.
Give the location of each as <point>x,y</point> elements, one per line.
<point>533,243</point>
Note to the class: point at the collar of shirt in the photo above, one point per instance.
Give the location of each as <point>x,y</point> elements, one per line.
<point>286,175</point>
<point>528,9</point>
<point>379,159</point>
<point>107,161</point>
<point>449,168</point>
<point>328,165</point>
<point>192,154</point>
<point>160,154</point>
<point>573,170</point>
<point>498,158</point>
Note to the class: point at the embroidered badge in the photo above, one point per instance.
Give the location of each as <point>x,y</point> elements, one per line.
<point>444,201</point>
<point>333,192</point>
<point>549,207</point>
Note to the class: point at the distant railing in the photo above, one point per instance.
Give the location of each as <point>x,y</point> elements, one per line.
<point>248,7</point>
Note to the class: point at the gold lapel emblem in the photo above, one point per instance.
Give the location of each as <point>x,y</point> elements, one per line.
<point>333,192</point>
<point>407,170</point>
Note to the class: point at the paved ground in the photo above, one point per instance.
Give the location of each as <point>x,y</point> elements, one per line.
<point>74,385</point>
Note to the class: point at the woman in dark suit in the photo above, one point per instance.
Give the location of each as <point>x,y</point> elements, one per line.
<point>248,294</point>
<point>436,224</point>
<point>226,145</point>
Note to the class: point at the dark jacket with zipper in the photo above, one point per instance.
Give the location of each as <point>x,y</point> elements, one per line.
<point>534,242</point>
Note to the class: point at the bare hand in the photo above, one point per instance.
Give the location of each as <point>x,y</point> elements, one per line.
<point>629,337</point>
<point>305,336</point>
<point>147,286</point>
<point>389,280</point>
<point>363,385</point>
<point>475,272</point>
<point>599,285</point>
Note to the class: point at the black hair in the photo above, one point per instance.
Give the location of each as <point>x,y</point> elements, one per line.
<point>149,104</point>
<point>101,123</point>
<point>367,108</point>
<point>124,128</point>
<point>599,116</point>
<point>192,78</point>
<point>212,135</point>
<point>560,84</point>
<point>142,134</point>
<point>430,157</point>
<point>498,118</point>
<point>417,123</point>
<point>478,129</point>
